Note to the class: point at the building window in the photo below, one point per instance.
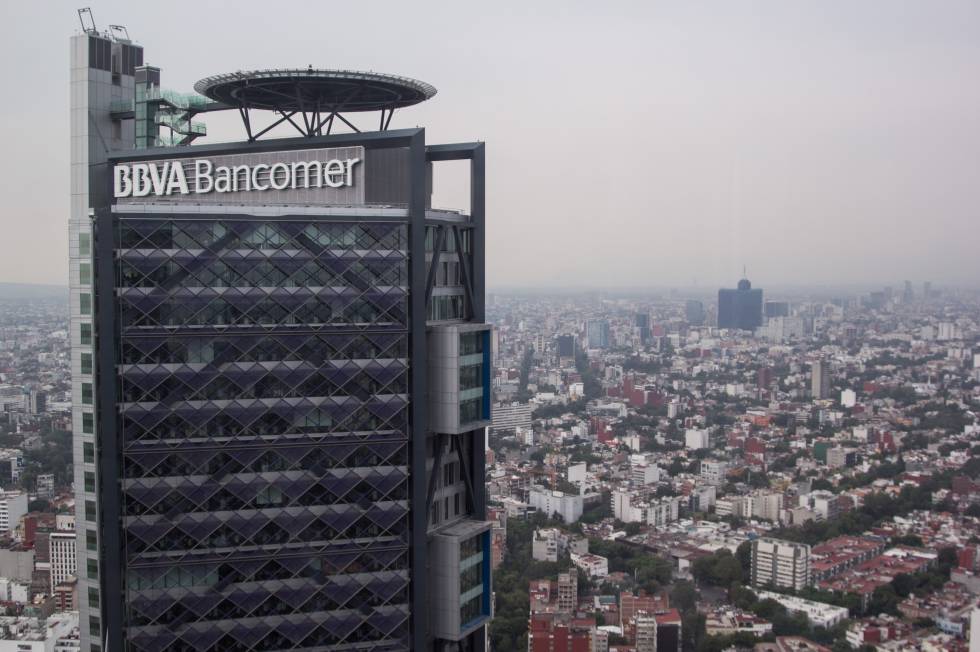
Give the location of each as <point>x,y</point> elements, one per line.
<point>87,393</point>
<point>91,540</point>
<point>85,303</point>
<point>84,273</point>
<point>88,426</point>
<point>86,363</point>
<point>88,448</point>
<point>90,510</point>
<point>84,244</point>
<point>93,597</point>
<point>85,333</point>
<point>94,625</point>
<point>471,410</point>
<point>456,504</point>
<point>90,481</point>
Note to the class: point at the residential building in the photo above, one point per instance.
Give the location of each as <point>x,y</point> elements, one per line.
<point>714,472</point>
<point>779,563</point>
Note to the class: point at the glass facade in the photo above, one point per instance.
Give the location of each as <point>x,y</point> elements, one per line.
<point>474,376</point>
<point>473,577</point>
<point>263,425</point>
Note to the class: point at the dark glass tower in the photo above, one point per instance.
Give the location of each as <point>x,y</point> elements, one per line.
<point>292,386</point>
<point>740,308</point>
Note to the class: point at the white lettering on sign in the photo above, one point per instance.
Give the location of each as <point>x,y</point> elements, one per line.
<point>162,179</point>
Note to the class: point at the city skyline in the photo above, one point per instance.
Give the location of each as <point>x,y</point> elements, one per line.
<point>782,137</point>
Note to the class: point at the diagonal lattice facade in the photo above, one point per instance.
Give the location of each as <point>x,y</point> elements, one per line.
<point>263,417</point>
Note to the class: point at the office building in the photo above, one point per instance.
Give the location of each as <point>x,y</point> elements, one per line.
<point>509,417</point>
<point>37,402</point>
<point>280,366</point>
<point>820,379</point>
<point>694,312</point>
<point>783,564</point>
<point>565,345</point>
<point>641,322</point>
<point>776,309</point>
<point>567,592</point>
<point>597,334</point>
<point>740,308</point>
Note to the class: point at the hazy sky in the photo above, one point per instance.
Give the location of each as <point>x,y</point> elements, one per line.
<point>628,143</point>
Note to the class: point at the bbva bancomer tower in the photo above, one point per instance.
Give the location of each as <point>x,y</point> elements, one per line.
<point>280,366</point>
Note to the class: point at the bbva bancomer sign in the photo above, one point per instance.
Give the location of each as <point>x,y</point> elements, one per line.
<point>167,178</point>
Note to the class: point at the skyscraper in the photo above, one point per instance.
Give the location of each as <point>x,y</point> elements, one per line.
<point>820,379</point>
<point>740,308</point>
<point>694,312</point>
<point>282,370</point>
<point>641,322</point>
<point>565,346</point>
<point>597,333</point>
<point>776,309</point>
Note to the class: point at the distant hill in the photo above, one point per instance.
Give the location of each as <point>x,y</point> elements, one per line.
<point>31,291</point>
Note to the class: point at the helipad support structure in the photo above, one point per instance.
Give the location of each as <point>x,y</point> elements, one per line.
<point>281,367</point>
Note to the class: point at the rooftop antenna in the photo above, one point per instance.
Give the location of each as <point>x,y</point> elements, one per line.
<point>744,273</point>
<point>87,11</point>
<point>120,33</point>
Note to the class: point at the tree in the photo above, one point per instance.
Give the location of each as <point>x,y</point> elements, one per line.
<point>684,596</point>
<point>742,596</point>
<point>884,600</point>
<point>744,555</point>
<point>719,569</point>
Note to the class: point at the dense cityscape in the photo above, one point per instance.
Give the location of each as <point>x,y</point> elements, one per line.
<point>802,480</point>
<point>811,482</point>
<point>315,356</point>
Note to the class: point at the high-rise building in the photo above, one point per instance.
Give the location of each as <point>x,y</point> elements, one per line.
<point>776,309</point>
<point>641,322</point>
<point>820,379</point>
<point>62,557</point>
<point>565,345</point>
<point>280,366</point>
<point>740,308</point>
<point>37,401</point>
<point>783,564</point>
<point>694,312</point>
<point>597,333</point>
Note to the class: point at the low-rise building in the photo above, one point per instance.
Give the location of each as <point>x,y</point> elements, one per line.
<point>593,565</point>
<point>819,613</point>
